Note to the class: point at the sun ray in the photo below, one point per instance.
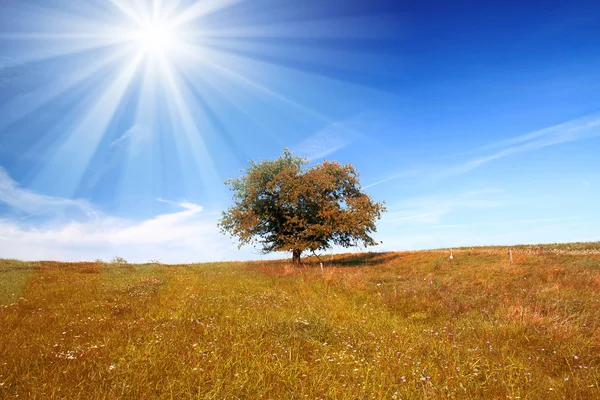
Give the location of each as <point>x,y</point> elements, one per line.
<point>128,9</point>
<point>346,29</point>
<point>180,111</point>
<point>60,49</point>
<point>27,103</point>
<point>201,9</point>
<point>235,60</point>
<point>299,54</point>
<point>140,171</point>
<point>223,93</point>
<point>51,23</point>
<point>187,66</point>
<point>71,159</point>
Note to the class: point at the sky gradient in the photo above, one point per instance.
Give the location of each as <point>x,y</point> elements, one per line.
<point>477,122</point>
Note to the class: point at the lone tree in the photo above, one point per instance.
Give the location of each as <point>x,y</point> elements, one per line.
<point>283,206</point>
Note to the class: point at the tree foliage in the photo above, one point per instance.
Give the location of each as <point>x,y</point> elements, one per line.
<point>281,205</point>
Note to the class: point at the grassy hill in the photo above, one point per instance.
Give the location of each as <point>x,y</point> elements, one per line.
<point>376,325</point>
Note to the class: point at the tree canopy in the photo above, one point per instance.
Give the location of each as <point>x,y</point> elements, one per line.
<point>282,205</point>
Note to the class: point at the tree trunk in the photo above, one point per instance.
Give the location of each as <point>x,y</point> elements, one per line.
<point>296,256</point>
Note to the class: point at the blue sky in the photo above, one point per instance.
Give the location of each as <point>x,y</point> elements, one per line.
<point>477,122</point>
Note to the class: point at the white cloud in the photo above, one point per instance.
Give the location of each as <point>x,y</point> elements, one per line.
<point>27,201</point>
<point>186,235</point>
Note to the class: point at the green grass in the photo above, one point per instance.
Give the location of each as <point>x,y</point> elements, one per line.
<point>393,325</point>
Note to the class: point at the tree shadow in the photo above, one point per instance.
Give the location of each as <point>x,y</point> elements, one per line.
<point>353,260</point>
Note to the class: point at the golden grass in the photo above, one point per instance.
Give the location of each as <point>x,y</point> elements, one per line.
<point>392,325</point>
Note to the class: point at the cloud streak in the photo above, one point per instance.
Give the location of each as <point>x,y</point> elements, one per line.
<point>575,130</point>
<point>578,129</point>
<point>430,210</point>
<point>129,144</point>
<point>23,200</point>
<point>327,141</point>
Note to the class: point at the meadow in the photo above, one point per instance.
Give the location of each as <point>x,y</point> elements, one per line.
<point>408,325</point>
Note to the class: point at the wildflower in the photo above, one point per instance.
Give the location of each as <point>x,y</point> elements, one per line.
<point>111,367</point>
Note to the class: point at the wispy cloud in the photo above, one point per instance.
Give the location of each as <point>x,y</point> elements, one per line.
<point>332,138</point>
<point>578,129</point>
<point>23,200</point>
<point>129,144</point>
<point>515,222</point>
<point>581,128</point>
<point>11,71</point>
<point>575,130</point>
<point>132,138</point>
<point>430,210</point>
<point>404,174</point>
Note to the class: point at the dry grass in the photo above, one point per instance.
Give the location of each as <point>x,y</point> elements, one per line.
<point>391,325</point>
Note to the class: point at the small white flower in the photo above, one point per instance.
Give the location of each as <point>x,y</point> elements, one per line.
<point>111,367</point>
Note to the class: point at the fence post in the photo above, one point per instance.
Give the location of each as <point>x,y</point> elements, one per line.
<point>510,255</point>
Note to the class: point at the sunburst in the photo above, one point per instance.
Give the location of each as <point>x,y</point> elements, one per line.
<point>156,37</point>
<point>188,72</point>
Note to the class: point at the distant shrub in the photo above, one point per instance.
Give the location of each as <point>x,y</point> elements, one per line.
<point>118,260</point>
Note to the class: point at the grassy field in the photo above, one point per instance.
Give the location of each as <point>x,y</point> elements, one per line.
<point>378,325</point>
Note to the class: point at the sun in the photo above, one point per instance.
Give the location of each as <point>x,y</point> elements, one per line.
<point>156,38</point>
